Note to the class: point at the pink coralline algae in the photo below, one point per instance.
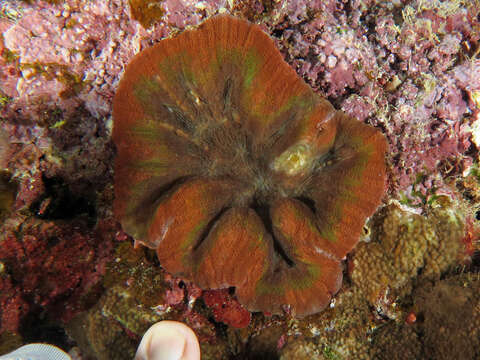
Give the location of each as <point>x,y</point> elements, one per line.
<point>72,52</point>
<point>70,42</point>
<point>411,76</point>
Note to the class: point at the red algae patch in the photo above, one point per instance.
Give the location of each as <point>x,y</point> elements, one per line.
<point>237,173</point>
<point>226,309</point>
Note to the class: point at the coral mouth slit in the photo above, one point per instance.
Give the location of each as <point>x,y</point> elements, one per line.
<point>237,173</point>
<point>263,213</point>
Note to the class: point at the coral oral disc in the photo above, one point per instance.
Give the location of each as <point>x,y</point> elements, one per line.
<point>295,160</point>
<point>237,173</point>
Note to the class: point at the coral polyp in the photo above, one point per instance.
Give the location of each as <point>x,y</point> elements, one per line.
<point>237,173</point>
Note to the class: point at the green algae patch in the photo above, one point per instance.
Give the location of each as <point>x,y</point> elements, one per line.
<point>4,100</point>
<point>9,56</point>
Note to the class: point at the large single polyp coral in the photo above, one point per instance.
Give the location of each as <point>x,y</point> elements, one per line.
<point>237,173</point>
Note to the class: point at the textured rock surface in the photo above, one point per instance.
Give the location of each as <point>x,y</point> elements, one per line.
<point>410,69</point>
<point>404,244</point>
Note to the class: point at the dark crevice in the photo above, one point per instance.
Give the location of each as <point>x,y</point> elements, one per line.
<point>227,93</point>
<point>277,33</point>
<point>59,202</point>
<point>52,241</point>
<point>163,190</point>
<point>209,227</point>
<point>264,214</point>
<point>38,327</point>
<point>476,262</point>
<point>151,201</point>
<point>338,98</point>
<point>348,8</point>
<point>309,202</point>
<point>420,271</point>
<point>151,256</point>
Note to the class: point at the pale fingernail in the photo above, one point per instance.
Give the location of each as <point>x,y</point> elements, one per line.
<point>167,344</point>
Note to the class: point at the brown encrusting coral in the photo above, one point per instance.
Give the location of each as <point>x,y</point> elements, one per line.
<point>237,173</point>
<point>407,246</point>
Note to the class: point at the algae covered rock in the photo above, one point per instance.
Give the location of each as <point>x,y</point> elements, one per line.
<point>139,293</point>
<point>340,332</point>
<point>451,312</point>
<point>407,253</point>
<point>406,248</point>
<point>394,342</point>
<point>447,325</point>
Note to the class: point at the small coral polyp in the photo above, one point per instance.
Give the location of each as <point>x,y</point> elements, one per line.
<point>237,173</point>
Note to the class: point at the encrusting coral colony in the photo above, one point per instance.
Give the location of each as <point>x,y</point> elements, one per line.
<point>208,131</point>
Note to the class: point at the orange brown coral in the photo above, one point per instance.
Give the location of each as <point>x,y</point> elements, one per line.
<point>237,173</point>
